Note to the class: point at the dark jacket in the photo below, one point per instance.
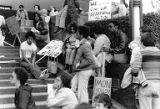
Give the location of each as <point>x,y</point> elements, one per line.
<point>23,98</point>
<point>119,42</point>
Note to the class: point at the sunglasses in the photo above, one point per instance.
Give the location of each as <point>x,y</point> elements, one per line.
<point>110,26</point>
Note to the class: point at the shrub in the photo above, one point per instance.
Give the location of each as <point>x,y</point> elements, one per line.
<point>151,21</point>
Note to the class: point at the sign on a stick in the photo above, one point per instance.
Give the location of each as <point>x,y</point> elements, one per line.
<point>53,49</point>
<point>13,25</point>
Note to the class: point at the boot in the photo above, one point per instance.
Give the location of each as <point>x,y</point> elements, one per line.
<point>66,67</point>
<point>70,69</point>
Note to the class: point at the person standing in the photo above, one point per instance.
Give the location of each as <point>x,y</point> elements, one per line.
<point>23,95</point>
<point>119,43</point>
<point>83,65</point>
<point>22,14</point>
<point>148,60</point>
<point>101,41</point>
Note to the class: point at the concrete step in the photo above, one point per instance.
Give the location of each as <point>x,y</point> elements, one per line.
<point>6,82</point>
<point>39,105</point>
<point>9,98</point>
<point>9,58</point>
<point>9,50</point>
<point>9,47</point>
<point>13,54</point>
<point>9,64</point>
<point>11,69</point>
<point>11,89</point>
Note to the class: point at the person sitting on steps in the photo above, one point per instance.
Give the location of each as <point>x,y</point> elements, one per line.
<point>70,42</point>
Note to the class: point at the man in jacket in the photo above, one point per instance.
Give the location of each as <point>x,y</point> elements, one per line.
<point>83,65</point>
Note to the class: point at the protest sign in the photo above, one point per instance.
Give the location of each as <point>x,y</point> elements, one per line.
<point>102,85</point>
<point>13,25</point>
<point>99,10</point>
<point>53,49</point>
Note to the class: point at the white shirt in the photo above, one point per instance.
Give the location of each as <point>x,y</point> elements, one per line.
<point>64,98</point>
<point>28,49</point>
<point>101,41</point>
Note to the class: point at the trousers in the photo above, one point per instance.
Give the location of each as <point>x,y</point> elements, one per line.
<point>149,97</point>
<point>79,84</point>
<point>61,17</point>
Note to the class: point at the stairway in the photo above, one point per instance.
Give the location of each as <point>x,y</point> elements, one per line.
<point>9,59</point>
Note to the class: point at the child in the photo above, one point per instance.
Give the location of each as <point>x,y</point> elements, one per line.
<point>70,44</point>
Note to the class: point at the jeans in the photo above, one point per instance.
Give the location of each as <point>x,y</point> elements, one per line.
<point>149,97</point>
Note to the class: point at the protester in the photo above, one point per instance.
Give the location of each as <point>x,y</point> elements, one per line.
<point>28,54</point>
<point>41,33</point>
<point>119,43</point>
<point>61,17</point>
<point>61,96</point>
<point>2,23</point>
<point>121,10</point>
<point>45,19</point>
<point>147,60</point>
<point>22,14</point>
<point>101,41</point>
<point>70,47</point>
<point>83,65</point>
<point>83,106</point>
<point>23,95</point>
<point>53,11</point>
<point>37,8</point>
<point>129,78</point>
<point>105,100</point>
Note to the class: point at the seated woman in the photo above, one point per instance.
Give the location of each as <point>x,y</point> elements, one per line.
<point>70,46</point>
<point>61,96</point>
<point>41,32</point>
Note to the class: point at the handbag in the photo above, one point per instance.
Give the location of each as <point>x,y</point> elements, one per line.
<point>52,65</point>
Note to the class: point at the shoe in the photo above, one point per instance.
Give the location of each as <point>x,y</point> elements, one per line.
<point>66,67</point>
<point>44,74</point>
<point>56,30</point>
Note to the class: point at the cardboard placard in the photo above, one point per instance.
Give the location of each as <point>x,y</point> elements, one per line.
<point>53,49</point>
<point>13,25</point>
<point>102,85</point>
<point>99,10</point>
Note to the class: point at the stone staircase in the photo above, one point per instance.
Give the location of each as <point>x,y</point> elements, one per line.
<point>9,59</point>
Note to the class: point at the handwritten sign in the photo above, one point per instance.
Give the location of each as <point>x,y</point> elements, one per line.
<point>102,85</point>
<point>13,25</point>
<point>99,10</point>
<point>53,49</point>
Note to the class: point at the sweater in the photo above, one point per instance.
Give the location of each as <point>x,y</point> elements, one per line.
<point>149,60</point>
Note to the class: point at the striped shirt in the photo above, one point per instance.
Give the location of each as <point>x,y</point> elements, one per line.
<point>149,60</point>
